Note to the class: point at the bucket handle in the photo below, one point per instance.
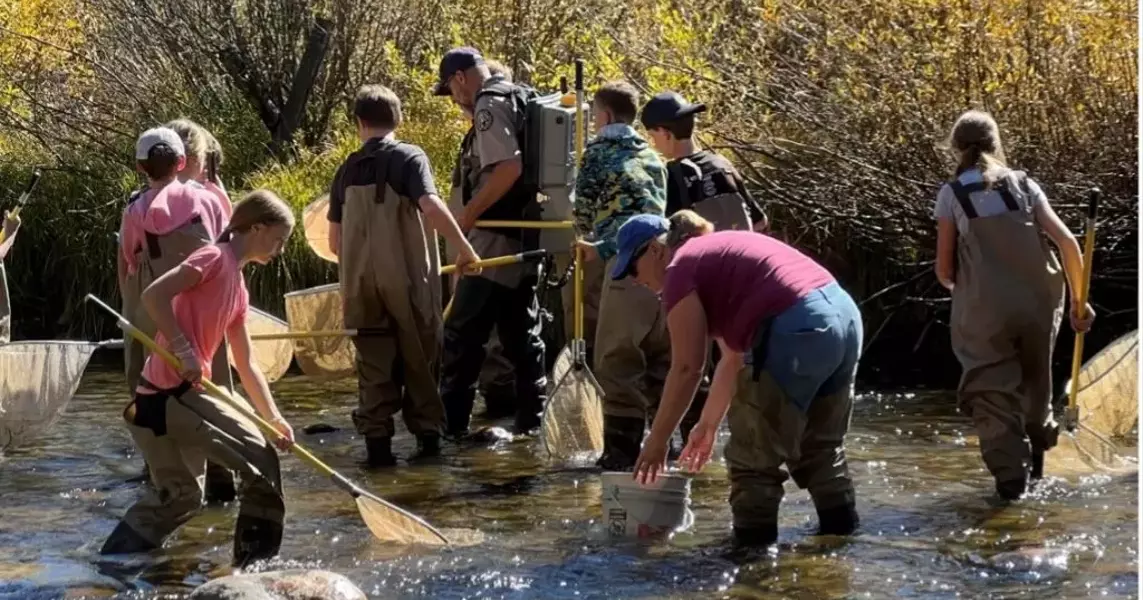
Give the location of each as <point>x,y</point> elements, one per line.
<point>688,520</point>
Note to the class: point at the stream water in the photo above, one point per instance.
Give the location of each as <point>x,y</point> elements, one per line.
<point>928,528</point>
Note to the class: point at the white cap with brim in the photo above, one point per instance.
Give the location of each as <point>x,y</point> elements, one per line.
<point>156,136</point>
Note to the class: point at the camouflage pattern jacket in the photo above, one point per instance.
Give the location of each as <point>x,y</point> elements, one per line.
<point>621,176</point>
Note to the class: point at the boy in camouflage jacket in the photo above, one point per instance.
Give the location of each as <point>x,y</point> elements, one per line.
<point>621,176</point>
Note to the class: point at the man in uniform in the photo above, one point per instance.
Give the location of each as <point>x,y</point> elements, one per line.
<point>504,297</point>
<point>497,382</point>
<point>383,211</point>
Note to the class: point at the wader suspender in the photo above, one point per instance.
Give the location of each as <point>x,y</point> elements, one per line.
<point>381,162</point>
<point>154,250</point>
<point>465,182</point>
<point>962,191</point>
<point>687,197</point>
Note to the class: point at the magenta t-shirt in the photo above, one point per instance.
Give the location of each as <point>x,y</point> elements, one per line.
<point>741,278</point>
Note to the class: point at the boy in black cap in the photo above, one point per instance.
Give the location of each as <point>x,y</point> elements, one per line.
<point>700,180</point>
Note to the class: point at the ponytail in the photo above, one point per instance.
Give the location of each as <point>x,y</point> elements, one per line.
<point>686,224</point>
<point>976,139</point>
<point>260,207</point>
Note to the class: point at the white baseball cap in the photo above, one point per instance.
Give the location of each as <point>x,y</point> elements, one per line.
<point>156,136</point>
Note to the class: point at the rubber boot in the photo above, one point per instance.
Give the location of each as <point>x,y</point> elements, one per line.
<point>764,535</point>
<point>528,421</point>
<point>838,520</point>
<point>125,540</point>
<point>1011,489</point>
<point>622,437</point>
<point>219,487</point>
<point>428,445</point>
<point>379,452</point>
<point>255,539</point>
<point>1037,472</point>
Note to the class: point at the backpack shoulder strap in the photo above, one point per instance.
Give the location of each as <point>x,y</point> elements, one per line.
<point>961,192</point>
<point>694,192</point>
<point>676,172</point>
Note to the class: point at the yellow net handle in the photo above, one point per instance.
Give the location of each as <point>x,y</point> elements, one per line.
<point>22,200</point>
<point>1085,284</point>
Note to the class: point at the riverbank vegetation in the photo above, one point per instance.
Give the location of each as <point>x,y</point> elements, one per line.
<point>834,112</point>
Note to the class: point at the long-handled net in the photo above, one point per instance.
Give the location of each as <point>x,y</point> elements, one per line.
<point>37,380</point>
<point>1097,412</point>
<point>572,424</point>
<point>316,227</point>
<point>320,309</point>
<point>1107,399</point>
<point>273,356</point>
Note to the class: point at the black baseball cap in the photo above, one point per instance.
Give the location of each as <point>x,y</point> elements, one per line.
<point>666,107</point>
<point>457,59</point>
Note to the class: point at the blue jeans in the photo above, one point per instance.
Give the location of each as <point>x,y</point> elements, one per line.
<point>811,349</point>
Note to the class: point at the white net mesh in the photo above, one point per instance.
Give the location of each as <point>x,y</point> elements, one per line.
<point>572,426</point>
<point>1108,415</point>
<point>316,225</point>
<point>272,356</point>
<point>1108,383</point>
<point>391,525</point>
<point>319,309</point>
<point>37,380</point>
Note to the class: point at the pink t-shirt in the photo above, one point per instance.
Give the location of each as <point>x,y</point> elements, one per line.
<point>741,278</point>
<point>204,312</point>
<point>163,211</point>
<point>223,198</point>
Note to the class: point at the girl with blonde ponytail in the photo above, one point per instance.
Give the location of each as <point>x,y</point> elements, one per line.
<point>204,156</point>
<point>1007,300</point>
<point>175,425</point>
<point>790,338</point>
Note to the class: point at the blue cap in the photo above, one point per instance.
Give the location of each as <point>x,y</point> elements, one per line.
<point>633,236</point>
<point>457,59</point>
<point>666,107</point>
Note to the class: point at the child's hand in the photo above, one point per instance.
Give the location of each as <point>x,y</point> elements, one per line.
<point>287,439</point>
<point>190,369</point>
<point>590,252</point>
<point>1082,322</point>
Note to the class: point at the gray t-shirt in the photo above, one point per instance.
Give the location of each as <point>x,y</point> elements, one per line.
<point>494,121</point>
<point>987,202</point>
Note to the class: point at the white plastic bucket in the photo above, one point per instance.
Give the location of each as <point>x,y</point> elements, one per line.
<point>631,509</point>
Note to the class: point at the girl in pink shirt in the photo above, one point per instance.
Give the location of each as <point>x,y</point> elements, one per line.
<point>175,424</point>
<point>204,155</point>
<point>162,225</point>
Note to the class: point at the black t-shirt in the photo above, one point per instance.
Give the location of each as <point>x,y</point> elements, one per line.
<point>716,176</point>
<point>409,173</point>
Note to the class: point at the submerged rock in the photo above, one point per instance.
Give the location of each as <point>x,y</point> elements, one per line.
<point>295,584</point>
<point>1045,561</point>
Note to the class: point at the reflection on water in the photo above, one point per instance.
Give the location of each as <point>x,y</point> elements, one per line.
<point>928,529</point>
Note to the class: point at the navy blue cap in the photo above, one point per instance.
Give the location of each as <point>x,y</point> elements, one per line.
<point>457,59</point>
<point>632,236</point>
<point>666,107</point>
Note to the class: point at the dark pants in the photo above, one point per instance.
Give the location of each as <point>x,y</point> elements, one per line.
<point>479,305</point>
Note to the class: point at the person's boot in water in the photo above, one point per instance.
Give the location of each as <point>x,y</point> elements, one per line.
<point>838,520</point>
<point>219,486</point>
<point>255,539</point>
<point>379,452</point>
<point>428,446</point>
<point>622,437</point>
<point>125,540</point>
